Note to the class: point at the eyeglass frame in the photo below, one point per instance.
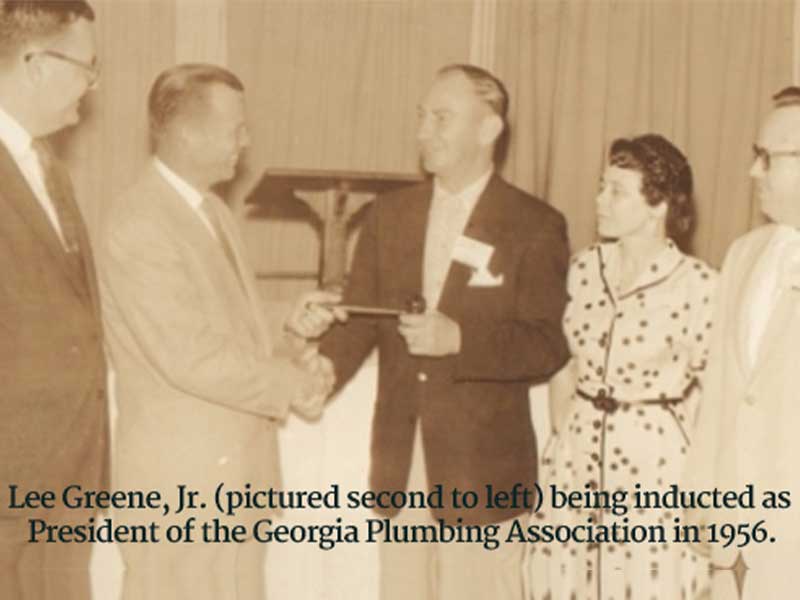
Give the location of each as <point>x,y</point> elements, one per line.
<point>765,156</point>
<point>92,69</point>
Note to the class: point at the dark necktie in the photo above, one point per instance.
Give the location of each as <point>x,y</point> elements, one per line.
<point>211,215</point>
<point>67,218</point>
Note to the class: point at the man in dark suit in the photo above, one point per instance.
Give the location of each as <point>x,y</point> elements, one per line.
<point>452,405</point>
<point>53,423</point>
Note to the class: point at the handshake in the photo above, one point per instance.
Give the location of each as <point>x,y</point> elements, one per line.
<point>426,333</point>
<point>313,314</point>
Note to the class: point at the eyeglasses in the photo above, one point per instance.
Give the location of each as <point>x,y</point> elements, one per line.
<point>91,69</point>
<point>765,156</point>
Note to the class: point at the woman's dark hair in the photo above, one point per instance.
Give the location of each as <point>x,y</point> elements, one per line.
<point>666,177</point>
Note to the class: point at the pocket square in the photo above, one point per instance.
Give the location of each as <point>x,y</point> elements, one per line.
<point>484,278</point>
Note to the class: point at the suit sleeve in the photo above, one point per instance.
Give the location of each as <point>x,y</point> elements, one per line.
<point>157,302</point>
<point>348,344</point>
<point>701,462</point>
<point>529,343</point>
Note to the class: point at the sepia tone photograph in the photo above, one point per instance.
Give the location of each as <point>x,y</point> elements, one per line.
<point>399,299</point>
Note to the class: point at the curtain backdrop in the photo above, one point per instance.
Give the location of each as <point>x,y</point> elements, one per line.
<point>699,72</point>
<point>333,85</point>
<point>135,41</point>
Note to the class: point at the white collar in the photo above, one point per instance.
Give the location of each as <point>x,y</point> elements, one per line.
<point>13,135</point>
<point>185,189</point>
<point>785,233</point>
<point>469,193</point>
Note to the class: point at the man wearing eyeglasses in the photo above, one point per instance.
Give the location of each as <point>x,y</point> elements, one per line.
<point>747,433</point>
<point>53,430</point>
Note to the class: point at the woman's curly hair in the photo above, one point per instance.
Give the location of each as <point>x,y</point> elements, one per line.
<point>666,177</point>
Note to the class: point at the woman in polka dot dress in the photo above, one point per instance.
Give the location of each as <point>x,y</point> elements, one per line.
<point>638,325</point>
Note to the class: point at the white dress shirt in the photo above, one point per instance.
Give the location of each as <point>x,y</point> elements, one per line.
<point>448,216</point>
<point>18,141</point>
<point>186,191</point>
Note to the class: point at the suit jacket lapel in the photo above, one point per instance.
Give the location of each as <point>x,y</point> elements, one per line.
<point>85,279</point>
<point>256,306</point>
<point>20,196</point>
<point>742,295</point>
<point>774,338</point>
<point>484,225</point>
<point>192,229</point>
<point>410,241</point>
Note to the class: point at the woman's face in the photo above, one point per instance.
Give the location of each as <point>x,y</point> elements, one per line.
<point>622,210</point>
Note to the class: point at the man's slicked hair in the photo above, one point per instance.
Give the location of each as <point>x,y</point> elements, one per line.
<point>488,87</point>
<point>23,21</point>
<point>491,91</point>
<point>183,88</point>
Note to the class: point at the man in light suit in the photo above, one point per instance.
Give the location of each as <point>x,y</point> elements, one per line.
<point>452,405</point>
<point>53,417</point>
<point>748,426</point>
<point>199,386</point>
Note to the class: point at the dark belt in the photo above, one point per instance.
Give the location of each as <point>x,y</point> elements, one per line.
<point>603,401</point>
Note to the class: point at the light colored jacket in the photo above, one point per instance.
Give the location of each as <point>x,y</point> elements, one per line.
<point>748,430</point>
<point>198,390</point>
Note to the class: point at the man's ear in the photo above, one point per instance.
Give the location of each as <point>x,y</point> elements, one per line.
<point>490,129</point>
<point>32,66</point>
<point>185,133</point>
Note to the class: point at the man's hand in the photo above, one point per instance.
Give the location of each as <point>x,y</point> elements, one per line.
<point>430,334</point>
<point>313,314</point>
<point>320,381</point>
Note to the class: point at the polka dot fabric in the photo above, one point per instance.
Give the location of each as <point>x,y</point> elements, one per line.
<point>645,343</point>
